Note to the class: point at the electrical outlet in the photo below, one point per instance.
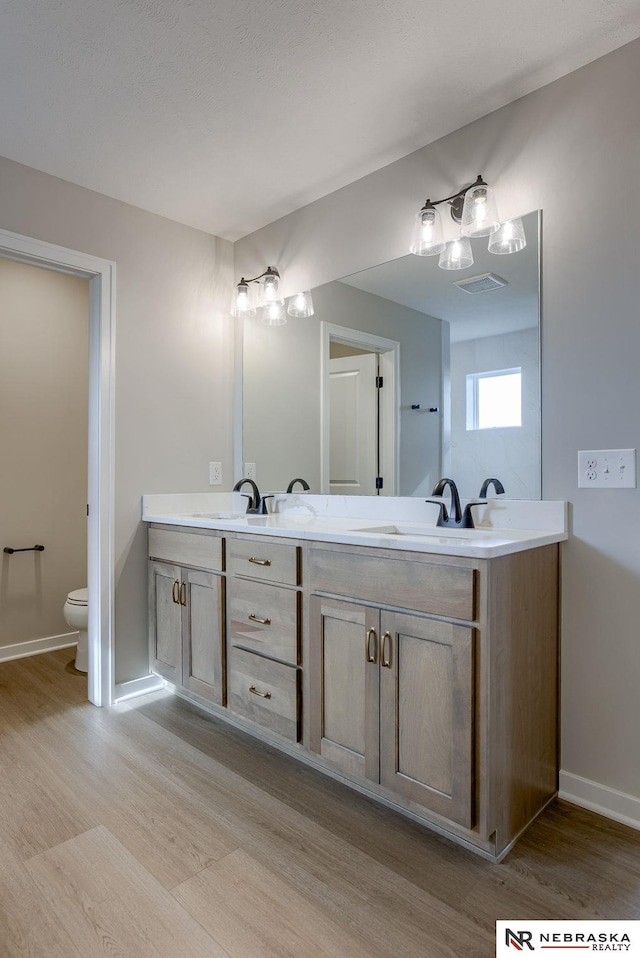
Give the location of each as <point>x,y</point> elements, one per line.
<point>250,470</point>
<point>607,469</point>
<point>215,473</point>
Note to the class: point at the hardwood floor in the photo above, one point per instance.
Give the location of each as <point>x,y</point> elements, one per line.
<point>150,829</point>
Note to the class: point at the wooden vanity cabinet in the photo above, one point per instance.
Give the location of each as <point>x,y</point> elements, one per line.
<point>392,700</point>
<point>264,633</point>
<point>186,610</point>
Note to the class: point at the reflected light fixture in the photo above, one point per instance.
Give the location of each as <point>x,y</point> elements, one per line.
<point>269,299</point>
<point>474,208</point>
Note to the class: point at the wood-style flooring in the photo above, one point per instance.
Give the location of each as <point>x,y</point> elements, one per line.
<point>150,830</point>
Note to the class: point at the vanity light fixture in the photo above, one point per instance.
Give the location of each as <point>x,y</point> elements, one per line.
<point>269,299</point>
<point>474,209</point>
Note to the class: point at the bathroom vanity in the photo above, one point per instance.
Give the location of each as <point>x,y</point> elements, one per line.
<point>418,667</point>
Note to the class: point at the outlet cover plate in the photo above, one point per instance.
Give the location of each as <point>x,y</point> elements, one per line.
<point>607,469</point>
<point>215,473</point>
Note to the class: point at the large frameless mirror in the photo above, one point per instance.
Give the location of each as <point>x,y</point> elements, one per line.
<point>457,354</point>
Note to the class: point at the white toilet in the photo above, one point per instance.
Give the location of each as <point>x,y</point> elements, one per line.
<point>76,614</point>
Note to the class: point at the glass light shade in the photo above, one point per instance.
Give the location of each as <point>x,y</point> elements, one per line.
<point>479,212</point>
<point>270,289</point>
<point>456,254</point>
<point>243,300</point>
<point>509,238</point>
<point>273,314</point>
<point>427,238</point>
<point>301,304</point>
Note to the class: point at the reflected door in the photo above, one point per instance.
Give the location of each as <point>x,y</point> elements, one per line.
<point>353,425</point>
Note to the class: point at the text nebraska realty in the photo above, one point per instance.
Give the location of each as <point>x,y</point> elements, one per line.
<point>595,941</point>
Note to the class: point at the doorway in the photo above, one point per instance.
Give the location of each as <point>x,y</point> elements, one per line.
<point>360,412</point>
<point>100,554</point>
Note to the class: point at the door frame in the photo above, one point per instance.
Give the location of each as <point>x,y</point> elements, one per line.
<point>389,353</point>
<point>101,274</point>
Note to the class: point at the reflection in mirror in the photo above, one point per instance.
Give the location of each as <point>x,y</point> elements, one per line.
<point>460,372</point>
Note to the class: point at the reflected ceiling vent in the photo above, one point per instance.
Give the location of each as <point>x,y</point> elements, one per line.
<point>482,283</point>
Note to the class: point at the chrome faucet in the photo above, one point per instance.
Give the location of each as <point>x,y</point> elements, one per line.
<point>303,483</point>
<point>497,485</point>
<point>256,504</point>
<point>458,519</point>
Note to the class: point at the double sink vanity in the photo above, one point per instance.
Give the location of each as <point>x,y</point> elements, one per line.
<point>417,664</point>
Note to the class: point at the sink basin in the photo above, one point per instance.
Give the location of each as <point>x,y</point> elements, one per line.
<point>433,532</point>
<point>212,515</point>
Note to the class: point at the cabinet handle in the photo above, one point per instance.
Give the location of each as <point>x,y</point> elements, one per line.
<point>175,592</point>
<point>256,618</point>
<point>384,661</point>
<point>259,561</point>
<point>263,695</point>
<point>372,656</point>
<point>183,594</point>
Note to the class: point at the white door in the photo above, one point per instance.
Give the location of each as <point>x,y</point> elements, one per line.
<point>353,425</point>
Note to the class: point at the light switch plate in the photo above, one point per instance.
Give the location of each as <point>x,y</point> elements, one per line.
<point>607,469</point>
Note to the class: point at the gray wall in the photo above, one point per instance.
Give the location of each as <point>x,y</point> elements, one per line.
<point>44,343</point>
<point>571,149</point>
<point>281,390</point>
<point>173,362</point>
<point>513,455</point>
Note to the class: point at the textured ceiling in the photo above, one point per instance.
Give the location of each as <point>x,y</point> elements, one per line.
<point>226,114</point>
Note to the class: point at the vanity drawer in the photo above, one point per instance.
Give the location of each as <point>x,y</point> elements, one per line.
<point>264,618</point>
<point>420,586</point>
<point>181,547</point>
<point>264,559</point>
<point>264,691</point>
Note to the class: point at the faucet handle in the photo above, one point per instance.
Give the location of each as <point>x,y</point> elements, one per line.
<point>443,516</point>
<point>263,505</point>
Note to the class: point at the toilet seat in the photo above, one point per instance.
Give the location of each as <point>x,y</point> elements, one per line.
<point>78,597</point>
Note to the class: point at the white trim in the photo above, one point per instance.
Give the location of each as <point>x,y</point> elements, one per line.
<point>129,690</point>
<point>600,798</point>
<point>100,526</point>
<point>389,350</point>
<point>50,643</point>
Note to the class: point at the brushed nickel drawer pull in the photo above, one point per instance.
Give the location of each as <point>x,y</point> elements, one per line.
<point>263,695</point>
<point>183,594</point>
<point>175,592</point>
<point>259,561</point>
<point>384,661</point>
<point>256,618</point>
<point>372,656</point>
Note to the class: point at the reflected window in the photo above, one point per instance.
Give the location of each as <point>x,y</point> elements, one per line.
<point>494,399</point>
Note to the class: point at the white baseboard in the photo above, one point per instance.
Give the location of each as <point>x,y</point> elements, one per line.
<point>601,799</point>
<point>50,643</point>
<point>127,690</point>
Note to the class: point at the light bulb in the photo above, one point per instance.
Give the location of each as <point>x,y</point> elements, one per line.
<point>456,254</point>
<point>509,238</point>
<point>242,301</point>
<point>479,212</point>
<point>273,314</point>
<point>427,238</point>
<point>301,304</point>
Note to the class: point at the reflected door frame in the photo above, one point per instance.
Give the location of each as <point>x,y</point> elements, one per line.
<point>389,354</point>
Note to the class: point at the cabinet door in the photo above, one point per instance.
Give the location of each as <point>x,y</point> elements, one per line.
<point>203,669</point>
<point>165,620</point>
<point>426,713</point>
<point>344,689</point>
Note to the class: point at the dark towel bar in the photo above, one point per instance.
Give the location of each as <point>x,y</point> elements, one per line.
<point>30,549</point>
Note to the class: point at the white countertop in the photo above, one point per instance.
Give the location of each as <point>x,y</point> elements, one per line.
<point>406,524</point>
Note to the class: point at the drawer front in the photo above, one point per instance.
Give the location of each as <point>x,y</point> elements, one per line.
<point>264,559</point>
<point>419,586</point>
<point>264,618</point>
<point>182,547</point>
<point>264,691</point>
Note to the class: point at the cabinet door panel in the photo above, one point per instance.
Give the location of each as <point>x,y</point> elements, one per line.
<point>203,671</point>
<point>165,621</point>
<point>426,714</point>
<point>344,686</point>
